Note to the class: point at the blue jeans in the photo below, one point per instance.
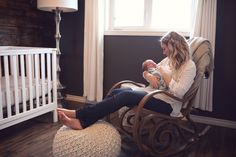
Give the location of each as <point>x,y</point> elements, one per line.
<point>119,98</point>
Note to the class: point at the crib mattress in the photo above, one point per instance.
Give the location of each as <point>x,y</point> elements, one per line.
<point>27,90</point>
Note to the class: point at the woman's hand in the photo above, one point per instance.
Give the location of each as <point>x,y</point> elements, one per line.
<point>166,77</point>
<point>154,82</point>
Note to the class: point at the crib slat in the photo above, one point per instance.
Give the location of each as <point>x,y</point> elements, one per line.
<point>54,75</point>
<point>49,77</point>
<point>29,75</point>
<point>1,104</point>
<point>7,80</point>
<point>36,57</point>
<point>43,78</point>
<point>15,76</point>
<point>33,67</point>
<point>32,64</point>
<point>22,67</point>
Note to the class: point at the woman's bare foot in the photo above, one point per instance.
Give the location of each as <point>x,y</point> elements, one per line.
<point>70,122</point>
<point>67,112</point>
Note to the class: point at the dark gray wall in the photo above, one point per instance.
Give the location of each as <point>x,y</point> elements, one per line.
<point>72,45</point>
<point>124,56</point>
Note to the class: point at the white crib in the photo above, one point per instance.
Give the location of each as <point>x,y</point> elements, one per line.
<point>28,84</point>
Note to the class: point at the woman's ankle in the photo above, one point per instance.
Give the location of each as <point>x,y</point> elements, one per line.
<point>67,112</point>
<point>70,122</point>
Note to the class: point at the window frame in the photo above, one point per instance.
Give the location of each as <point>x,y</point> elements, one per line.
<point>144,30</point>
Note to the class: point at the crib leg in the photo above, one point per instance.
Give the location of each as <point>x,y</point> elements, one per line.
<point>55,117</point>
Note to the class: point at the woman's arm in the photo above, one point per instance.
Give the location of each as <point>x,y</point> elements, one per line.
<point>166,77</point>
<point>184,80</point>
<point>162,67</point>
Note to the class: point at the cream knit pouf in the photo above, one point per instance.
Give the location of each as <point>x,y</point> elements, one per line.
<point>98,140</point>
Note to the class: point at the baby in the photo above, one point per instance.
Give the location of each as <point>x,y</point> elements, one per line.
<point>150,66</point>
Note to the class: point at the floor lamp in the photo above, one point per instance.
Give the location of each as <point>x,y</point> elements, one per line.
<point>58,6</point>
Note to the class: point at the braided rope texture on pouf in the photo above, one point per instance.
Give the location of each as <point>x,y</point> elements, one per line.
<point>98,140</point>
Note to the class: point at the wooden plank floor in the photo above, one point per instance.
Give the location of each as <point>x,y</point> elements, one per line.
<point>34,138</point>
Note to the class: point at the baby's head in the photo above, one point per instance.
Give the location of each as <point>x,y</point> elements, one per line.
<point>148,64</point>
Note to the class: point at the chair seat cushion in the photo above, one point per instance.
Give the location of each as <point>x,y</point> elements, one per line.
<point>98,140</point>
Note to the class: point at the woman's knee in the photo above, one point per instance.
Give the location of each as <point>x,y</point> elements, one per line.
<point>119,90</point>
<point>125,94</point>
<point>130,97</point>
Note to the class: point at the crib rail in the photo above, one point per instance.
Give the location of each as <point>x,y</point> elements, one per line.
<point>28,80</point>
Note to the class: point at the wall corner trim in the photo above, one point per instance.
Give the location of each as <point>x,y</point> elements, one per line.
<point>214,121</point>
<point>75,98</point>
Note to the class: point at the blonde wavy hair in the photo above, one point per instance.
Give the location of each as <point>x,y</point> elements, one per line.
<point>178,48</point>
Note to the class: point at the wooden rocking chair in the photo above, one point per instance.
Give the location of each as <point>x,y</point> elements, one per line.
<point>161,135</point>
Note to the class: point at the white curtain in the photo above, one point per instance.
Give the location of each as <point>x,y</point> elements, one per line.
<point>93,49</point>
<point>205,26</point>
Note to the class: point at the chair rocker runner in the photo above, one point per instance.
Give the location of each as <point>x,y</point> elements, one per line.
<point>157,134</point>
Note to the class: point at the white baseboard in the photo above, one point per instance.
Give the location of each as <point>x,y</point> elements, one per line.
<point>214,121</point>
<point>75,98</point>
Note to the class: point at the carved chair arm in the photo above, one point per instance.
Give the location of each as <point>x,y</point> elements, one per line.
<point>144,100</point>
<point>151,94</point>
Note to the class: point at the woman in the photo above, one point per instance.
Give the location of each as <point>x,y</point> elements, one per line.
<point>178,71</point>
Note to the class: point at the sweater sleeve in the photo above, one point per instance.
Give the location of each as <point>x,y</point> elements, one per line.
<point>184,81</point>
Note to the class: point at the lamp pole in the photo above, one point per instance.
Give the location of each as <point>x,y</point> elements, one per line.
<point>58,6</point>
<point>60,87</point>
